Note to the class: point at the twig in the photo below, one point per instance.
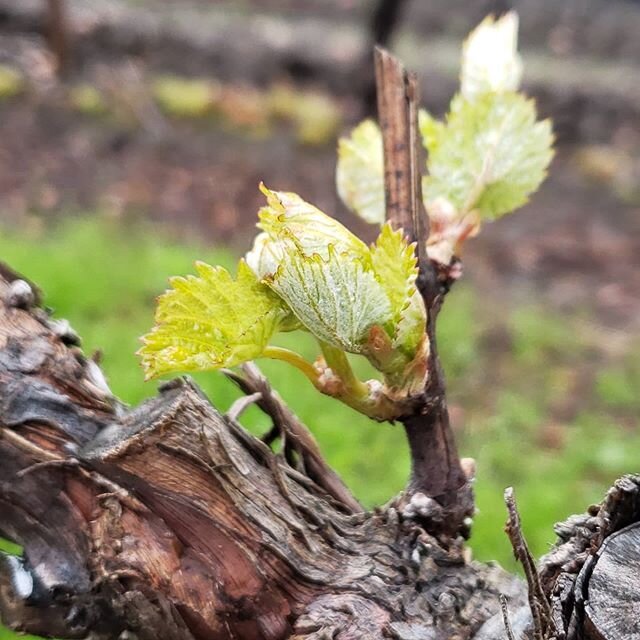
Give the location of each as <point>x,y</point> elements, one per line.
<point>58,35</point>
<point>28,446</point>
<point>296,434</point>
<point>398,115</point>
<point>540,610</point>
<point>418,212</point>
<point>242,404</point>
<point>505,617</point>
<point>47,464</point>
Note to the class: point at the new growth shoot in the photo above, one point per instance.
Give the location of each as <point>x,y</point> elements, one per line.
<point>307,272</point>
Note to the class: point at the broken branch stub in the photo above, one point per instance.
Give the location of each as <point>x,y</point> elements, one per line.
<point>398,114</point>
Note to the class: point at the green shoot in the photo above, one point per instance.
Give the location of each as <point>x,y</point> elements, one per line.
<point>308,272</point>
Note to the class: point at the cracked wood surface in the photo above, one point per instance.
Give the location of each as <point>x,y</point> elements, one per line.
<point>169,520</point>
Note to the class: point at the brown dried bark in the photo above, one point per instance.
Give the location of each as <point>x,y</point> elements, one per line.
<point>169,520</point>
<point>591,575</point>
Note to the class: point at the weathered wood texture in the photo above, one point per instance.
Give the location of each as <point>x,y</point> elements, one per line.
<point>612,608</point>
<point>591,576</point>
<point>170,521</point>
<point>397,111</point>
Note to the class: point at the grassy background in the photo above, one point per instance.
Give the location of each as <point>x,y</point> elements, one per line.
<point>527,402</point>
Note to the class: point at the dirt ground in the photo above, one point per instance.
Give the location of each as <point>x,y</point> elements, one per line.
<point>576,246</point>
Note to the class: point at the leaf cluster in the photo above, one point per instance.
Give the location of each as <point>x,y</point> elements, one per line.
<point>308,272</point>
<point>484,160</point>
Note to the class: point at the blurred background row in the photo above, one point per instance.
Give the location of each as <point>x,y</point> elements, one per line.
<point>134,133</point>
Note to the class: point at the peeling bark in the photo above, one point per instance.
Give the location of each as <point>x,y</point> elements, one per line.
<point>169,520</point>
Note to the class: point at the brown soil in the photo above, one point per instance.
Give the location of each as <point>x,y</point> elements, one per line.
<point>576,245</point>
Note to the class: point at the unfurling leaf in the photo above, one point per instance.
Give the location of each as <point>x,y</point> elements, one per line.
<point>265,255</point>
<point>287,216</point>
<point>351,297</point>
<point>490,60</point>
<point>411,326</point>
<point>335,297</point>
<point>210,321</point>
<point>490,155</point>
<point>360,172</point>
<point>395,265</point>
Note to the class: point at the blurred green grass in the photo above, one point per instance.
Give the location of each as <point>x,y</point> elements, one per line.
<point>519,404</point>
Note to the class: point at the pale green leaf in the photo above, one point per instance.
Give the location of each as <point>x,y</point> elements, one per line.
<point>395,265</point>
<point>265,255</point>
<point>490,156</point>
<point>430,129</point>
<point>490,60</point>
<point>210,321</point>
<point>335,298</point>
<point>412,325</point>
<point>360,172</point>
<point>288,217</point>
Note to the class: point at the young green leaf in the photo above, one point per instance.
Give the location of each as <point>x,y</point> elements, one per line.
<point>265,255</point>
<point>335,298</point>
<point>412,325</point>
<point>430,129</point>
<point>490,155</point>
<point>287,216</point>
<point>210,321</point>
<point>490,60</point>
<point>395,265</point>
<point>360,172</point>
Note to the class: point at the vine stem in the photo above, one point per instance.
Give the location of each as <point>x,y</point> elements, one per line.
<point>436,469</point>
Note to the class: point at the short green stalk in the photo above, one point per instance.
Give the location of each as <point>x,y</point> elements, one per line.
<point>295,359</point>
<point>359,395</point>
<point>338,362</point>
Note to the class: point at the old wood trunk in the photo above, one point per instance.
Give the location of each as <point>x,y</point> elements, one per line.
<point>170,521</point>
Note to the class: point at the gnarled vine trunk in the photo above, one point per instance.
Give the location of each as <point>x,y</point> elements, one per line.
<point>170,521</point>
